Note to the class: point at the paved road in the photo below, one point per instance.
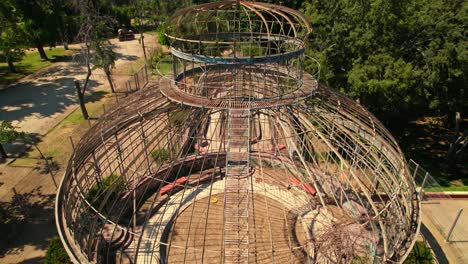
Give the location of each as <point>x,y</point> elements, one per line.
<point>438,216</point>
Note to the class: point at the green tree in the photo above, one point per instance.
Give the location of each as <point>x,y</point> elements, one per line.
<point>41,20</point>
<point>8,134</point>
<point>396,56</point>
<point>402,59</point>
<point>161,33</point>
<point>104,58</point>
<point>11,45</point>
<point>11,35</point>
<point>94,32</point>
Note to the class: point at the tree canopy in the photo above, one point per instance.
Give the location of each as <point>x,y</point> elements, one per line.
<point>397,57</point>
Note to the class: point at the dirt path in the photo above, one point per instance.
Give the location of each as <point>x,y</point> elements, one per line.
<point>36,104</point>
<point>28,214</point>
<point>39,101</point>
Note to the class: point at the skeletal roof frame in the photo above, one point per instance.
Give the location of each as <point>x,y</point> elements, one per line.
<point>238,156</point>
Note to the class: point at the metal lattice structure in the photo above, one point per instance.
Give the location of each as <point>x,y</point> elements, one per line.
<point>238,156</point>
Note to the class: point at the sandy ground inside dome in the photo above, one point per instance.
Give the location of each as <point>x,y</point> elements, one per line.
<point>273,211</point>
<point>269,233</point>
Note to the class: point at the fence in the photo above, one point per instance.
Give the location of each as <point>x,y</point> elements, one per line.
<point>138,80</point>
<point>122,83</point>
<point>446,215</point>
<point>426,183</point>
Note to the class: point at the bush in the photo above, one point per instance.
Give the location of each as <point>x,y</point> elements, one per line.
<point>112,183</point>
<point>56,253</point>
<point>160,155</point>
<point>155,56</point>
<point>421,254</point>
<point>162,39</point>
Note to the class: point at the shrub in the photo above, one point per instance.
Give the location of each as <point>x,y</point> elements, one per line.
<point>112,183</point>
<point>160,155</point>
<point>162,39</point>
<point>421,254</point>
<point>56,253</point>
<point>155,56</point>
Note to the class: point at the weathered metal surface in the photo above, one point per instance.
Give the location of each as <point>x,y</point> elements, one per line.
<point>238,159</point>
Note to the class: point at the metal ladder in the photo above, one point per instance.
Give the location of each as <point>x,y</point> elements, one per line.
<point>236,199</point>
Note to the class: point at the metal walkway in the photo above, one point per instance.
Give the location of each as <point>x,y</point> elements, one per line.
<point>236,200</point>
<point>172,92</point>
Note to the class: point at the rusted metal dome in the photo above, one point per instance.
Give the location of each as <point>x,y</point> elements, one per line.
<point>237,159</point>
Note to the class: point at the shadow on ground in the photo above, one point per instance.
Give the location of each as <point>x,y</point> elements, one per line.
<point>126,57</point>
<point>26,220</point>
<point>22,70</point>
<point>439,253</point>
<point>32,261</point>
<point>33,100</point>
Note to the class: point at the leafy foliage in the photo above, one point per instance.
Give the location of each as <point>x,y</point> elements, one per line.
<point>162,39</point>
<point>404,60</point>
<point>12,36</point>
<point>155,56</point>
<point>8,132</point>
<point>160,155</point>
<point>177,118</point>
<point>112,184</point>
<point>421,254</point>
<point>56,253</point>
<point>396,56</point>
<point>104,54</point>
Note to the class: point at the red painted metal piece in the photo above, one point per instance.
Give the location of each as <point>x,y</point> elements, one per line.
<point>302,186</point>
<point>172,185</point>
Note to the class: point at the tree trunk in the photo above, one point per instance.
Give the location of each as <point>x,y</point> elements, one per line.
<point>41,51</point>
<point>88,67</point>
<point>142,38</point>
<point>65,45</point>
<point>454,143</point>
<point>79,93</point>
<point>140,27</point>
<point>453,149</point>
<point>143,44</point>
<point>109,79</point>
<point>11,67</point>
<point>3,154</point>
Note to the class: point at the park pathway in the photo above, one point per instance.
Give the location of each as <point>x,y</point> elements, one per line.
<point>36,104</point>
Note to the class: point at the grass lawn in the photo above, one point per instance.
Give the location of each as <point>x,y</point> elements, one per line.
<point>165,65</point>
<point>31,63</point>
<point>451,188</point>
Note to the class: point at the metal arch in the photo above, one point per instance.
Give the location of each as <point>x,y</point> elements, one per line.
<point>237,60</point>
<point>316,151</point>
